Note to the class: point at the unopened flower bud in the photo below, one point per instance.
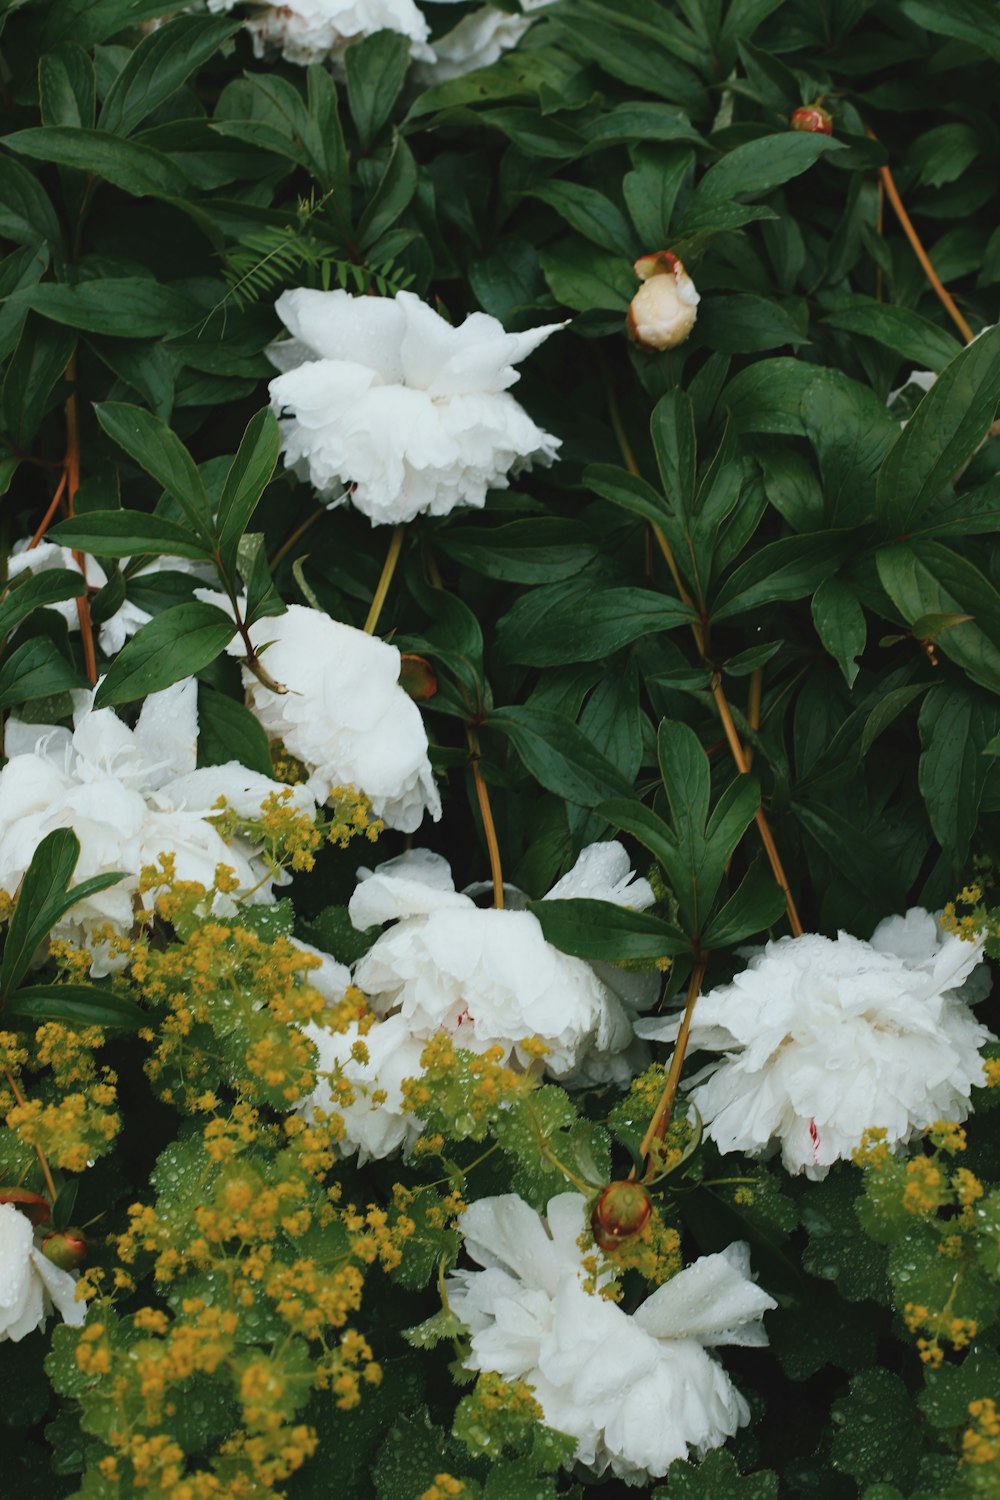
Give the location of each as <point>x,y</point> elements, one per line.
<point>416,677</point>
<point>619,1213</point>
<point>811,117</point>
<point>65,1248</point>
<point>663,310</point>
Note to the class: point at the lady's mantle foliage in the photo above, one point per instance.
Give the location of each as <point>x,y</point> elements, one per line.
<point>29,1283</point>
<point>343,713</point>
<point>383,396</point>
<point>489,977</point>
<point>129,795</point>
<point>823,1039</point>
<point>636,1390</point>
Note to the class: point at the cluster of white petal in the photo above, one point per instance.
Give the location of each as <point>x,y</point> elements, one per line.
<point>116,630</point>
<point>488,976</point>
<point>129,795</point>
<point>343,714</point>
<point>30,1284</point>
<point>316,31</point>
<point>383,395</point>
<point>373,1063</point>
<point>477,41</point>
<point>636,1391</point>
<point>821,1039</point>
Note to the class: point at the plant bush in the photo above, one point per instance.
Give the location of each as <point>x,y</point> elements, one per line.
<point>747,622</point>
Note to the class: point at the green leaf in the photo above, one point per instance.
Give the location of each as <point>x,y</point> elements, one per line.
<point>757,904</point>
<point>613,618</point>
<point>744,323</point>
<point>627,491</point>
<point>949,1390</point>
<point>973,21</point>
<point>162,454</point>
<point>928,578</point>
<point>875,1438</point>
<point>228,731</point>
<point>135,169</point>
<point>590,213</point>
<point>42,898</point>
<point>127,533</point>
<point>559,755</point>
<point>755,168</point>
<point>602,930</point>
<point>176,644</point>
<point>36,670</point>
<point>34,370</point>
<point>134,307</point>
<point>31,591</point>
<point>158,67</point>
<point>396,187</point>
<point>899,328</point>
<point>76,1004</point>
<point>716,1478</point>
<point>248,477</point>
<point>840,624</point>
<point>943,433</point>
<point>376,67</point>
<point>544,549</point>
<point>787,569</point>
<point>525,1130</point>
<point>26,213</point>
<point>583,277</point>
<point>67,87</point>
<point>672,428</point>
<point>955,728</point>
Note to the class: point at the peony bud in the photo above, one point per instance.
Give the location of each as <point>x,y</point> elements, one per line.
<point>663,310</point>
<point>65,1248</point>
<point>416,677</point>
<point>619,1213</point>
<point>811,117</point>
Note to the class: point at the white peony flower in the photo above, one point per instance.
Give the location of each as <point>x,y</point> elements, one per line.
<point>489,976</point>
<point>636,1391</point>
<point>315,31</point>
<point>477,41</point>
<point>344,716</point>
<point>383,395</point>
<point>129,795</point>
<point>375,1124</point>
<point>663,311</point>
<point>331,978</point>
<point>30,1284</point>
<point>119,627</point>
<point>822,1039</point>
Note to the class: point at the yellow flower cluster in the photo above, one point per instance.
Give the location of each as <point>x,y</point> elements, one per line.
<point>70,1116</point>
<point>458,1093</point>
<point>959,1332</point>
<point>981,1441</point>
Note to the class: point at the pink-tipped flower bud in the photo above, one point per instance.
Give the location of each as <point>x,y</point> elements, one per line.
<point>65,1248</point>
<point>619,1213</point>
<point>663,310</point>
<point>811,117</point>
<point>37,1208</point>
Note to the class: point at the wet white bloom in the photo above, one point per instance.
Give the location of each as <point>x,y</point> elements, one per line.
<point>487,976</point>
<point>663,311</point>
<point>822,1039</point>
<point>372,1063</point>
<point>115,631</point>
<point>344,715</point>
<point>636,1391</point>
<point>383,395</point>
<point>477,41</point>
<point>129,795</point>
<point>29,1284</point>
<point>331,978</point>
<point>315,31</point>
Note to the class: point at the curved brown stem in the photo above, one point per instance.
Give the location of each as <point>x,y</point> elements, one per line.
<point>486,812</point>
<point>664,1109</point>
